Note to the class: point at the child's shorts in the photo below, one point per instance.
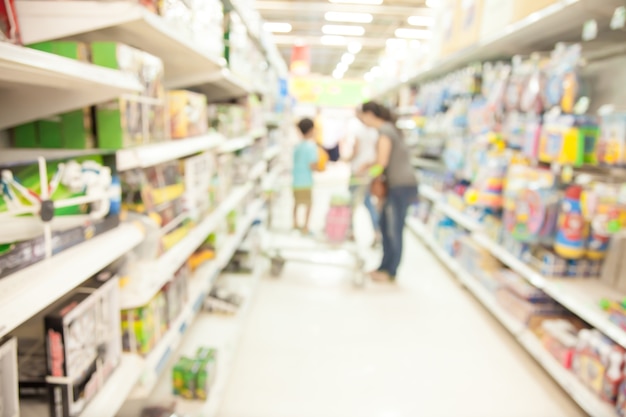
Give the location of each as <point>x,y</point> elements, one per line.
<point>302,196</point>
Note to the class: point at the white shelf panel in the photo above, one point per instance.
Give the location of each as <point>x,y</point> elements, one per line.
<point>461,219</point>
<point>430,193</point>
<point>108,400</point>
<point>585,398</point>
<point>236,144</point>
<point>270,181</point>
<point>37,84</point>
<point>272,152</point>
<point>186,60</point>
<point>27,292</point>
<point>560,22</point>
<point>163,269</point>
<point>579,296</point>
<point>222,85</point>
<point>150,155</point>
<point>420,230</point>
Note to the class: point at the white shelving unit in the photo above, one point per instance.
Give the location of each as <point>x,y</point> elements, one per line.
<point>55,277</point>
<point>587,400</point>
<point>460,218</point>
<point>162,270</point>
<point>237,144</point>
<point>150,155</point>
<point>188,62</point>
<point>36,84</point>
<point>580,296</point>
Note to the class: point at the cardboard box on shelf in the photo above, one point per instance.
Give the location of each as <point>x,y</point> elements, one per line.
<point>468,22</point>
<point>496,15</point>
<point>524,8</point>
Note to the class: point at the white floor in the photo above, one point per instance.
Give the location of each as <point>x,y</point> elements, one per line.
<point>314,346</point>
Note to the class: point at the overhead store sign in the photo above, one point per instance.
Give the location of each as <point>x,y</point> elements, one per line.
<point>300,60</point>
<point>328,92</point>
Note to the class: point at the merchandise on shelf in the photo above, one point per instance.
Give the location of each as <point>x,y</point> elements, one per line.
<point>228,119</point>
<point>198,171</point>
<point>9,402</point>
<point>83,344</point>
<point>223,300</point>
<point>71,130</point>
<point>158,192</point>
<point>75,50</point>
<point>143,327</point>
<point>9,23</point>
<point>598,363</point>
<point>224,178</point>
<point>188,114</point>
<point>192,378</point>
<point>204,253</point>
<point>559,337</point>
<point>85,194</point>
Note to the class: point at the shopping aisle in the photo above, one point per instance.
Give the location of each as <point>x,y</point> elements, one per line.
<point>314,346</point>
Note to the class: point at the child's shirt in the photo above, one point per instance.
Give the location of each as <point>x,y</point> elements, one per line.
<point>304,155</point>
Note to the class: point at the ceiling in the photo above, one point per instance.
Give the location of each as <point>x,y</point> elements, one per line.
<point>307,17</point>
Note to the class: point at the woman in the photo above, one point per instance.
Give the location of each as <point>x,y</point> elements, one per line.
<point>393,162</point>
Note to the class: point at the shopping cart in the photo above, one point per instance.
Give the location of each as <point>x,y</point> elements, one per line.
<point>338,238</point>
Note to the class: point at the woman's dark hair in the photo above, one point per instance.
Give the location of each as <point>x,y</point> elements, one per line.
<point>306,125</point>
<point>378,110</point>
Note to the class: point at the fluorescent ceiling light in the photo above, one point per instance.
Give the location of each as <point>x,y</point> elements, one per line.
<point>343,30</point>
<point>299,42</point>
<point>368,76</point>
<point>421,21</point>
<point>354,47</point>
<point>338,75</point>
<point>342,66</point>
<point>434,3</point>
<point>395,43</point>
<point>376,71</point>
<point>414,44</point>
<point>277,27</point>
<point>348,17</point>
<point>374,2</point>
<point>347,58</point>
<point>413,33</point>
<point>333,40</point>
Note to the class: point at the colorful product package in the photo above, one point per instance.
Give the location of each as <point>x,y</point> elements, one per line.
<point>188,114</point>
<point>78,51</point>
<point>71,130</point>
<point>183,378</point>
<point>612,141</point>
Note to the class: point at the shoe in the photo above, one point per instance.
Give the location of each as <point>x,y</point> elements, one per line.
<point>381,277</point>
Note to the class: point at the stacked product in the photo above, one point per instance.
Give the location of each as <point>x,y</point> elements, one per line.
<point>158,194</point>
<point>200,198</point>
<point>135,119</point>
<point>85,194</point>
<point>188,114</point>
<point>72,349</point>
<point>229,119</point>
<point>143,327</point>
<point>192,378</point>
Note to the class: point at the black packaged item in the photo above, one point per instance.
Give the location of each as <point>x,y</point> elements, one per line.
<point>31,353</point>
<point>72,355</point>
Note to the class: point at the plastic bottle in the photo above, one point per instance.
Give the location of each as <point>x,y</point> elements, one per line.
<point>571,230</point>
<point>613,377</point>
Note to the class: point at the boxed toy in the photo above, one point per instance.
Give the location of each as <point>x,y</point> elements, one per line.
<point>104,286</point>
<point>9,402</point>
<point>120,124</point>
<point>72,130</point>
<point>22,241</point>
<point>188,114</point>
<point>199,196</point>
<point>72,352</point>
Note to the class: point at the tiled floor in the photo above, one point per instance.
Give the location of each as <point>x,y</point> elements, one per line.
<point>316,347</point>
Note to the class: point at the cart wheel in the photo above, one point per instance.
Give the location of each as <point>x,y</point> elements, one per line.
<point>277,265</point>
<point>359,280</point>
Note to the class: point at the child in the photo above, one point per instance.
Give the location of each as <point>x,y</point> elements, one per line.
<point>305,157</point>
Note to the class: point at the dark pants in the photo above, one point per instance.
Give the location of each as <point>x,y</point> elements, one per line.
<point>393,215</point>
<point>333,153</point>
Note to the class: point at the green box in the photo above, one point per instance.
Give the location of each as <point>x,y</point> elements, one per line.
<point>119,124</point>
<point>117,56</point>
<point>50,132</point>
<point>184,378</point>
<point>77,129</point>
<point>68,49</point>
<point>25,136</point>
